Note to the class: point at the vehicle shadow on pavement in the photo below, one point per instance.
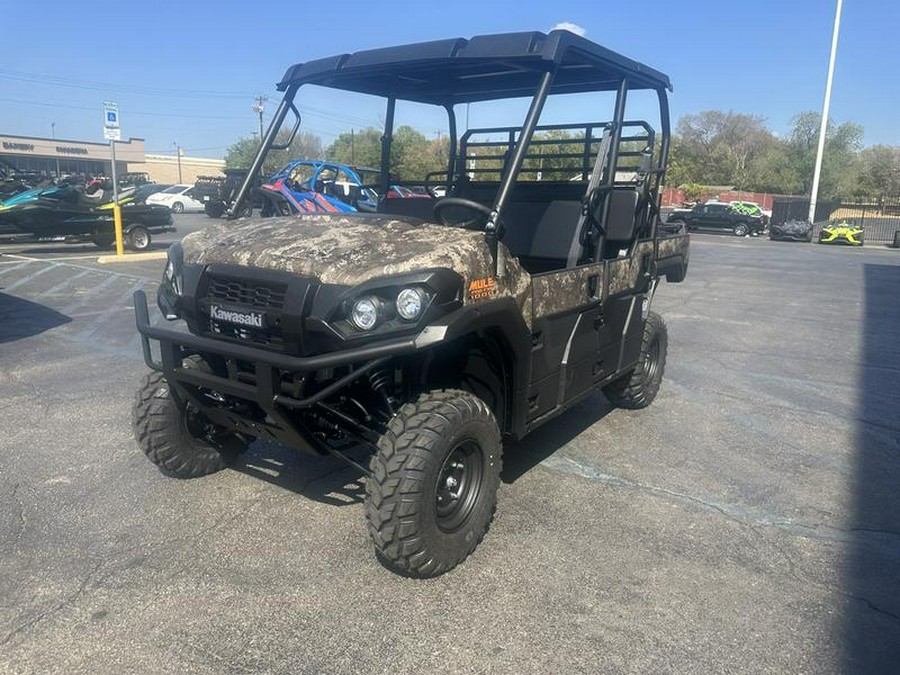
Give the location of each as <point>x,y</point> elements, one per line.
<point>872,577</point>
<point>331,481</point>
<point>519,457</point>
<point>22,318</point>
<point>323,479</point>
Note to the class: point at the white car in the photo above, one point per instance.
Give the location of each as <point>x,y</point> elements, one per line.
<point>179,198</point>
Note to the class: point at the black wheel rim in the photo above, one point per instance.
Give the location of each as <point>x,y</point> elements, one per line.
<point>651,360</point>
<point>458,485</point>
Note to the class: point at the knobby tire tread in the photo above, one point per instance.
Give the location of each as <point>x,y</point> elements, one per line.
<point>400,478</point>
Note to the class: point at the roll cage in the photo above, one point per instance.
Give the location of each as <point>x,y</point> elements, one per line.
<point>493,67</point>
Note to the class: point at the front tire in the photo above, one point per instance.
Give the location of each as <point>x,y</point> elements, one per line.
<point>433,490</point>
<point>103,240</point>
<point>741,230</point>
<point>180,442</point>
<point>638,388</point>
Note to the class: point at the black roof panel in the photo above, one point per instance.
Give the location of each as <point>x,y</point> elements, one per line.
<point>451,71</point>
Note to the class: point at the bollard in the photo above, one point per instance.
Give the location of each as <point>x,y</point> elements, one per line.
<point>117,219</point>
<point>896,243</point>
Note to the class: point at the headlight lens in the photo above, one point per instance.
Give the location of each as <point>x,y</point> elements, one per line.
<point>173,273</point>
<point>365,312</point>
<point>410,302</point>
<point>172,277</point>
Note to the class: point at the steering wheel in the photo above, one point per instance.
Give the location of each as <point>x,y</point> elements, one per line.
<point>444,213</point>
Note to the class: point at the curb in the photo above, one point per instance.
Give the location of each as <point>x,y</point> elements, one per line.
<point>154,255</point>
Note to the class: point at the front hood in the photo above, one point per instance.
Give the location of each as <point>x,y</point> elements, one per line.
<point>340,249</point>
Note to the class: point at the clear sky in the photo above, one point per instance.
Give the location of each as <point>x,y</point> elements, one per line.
<point>187,72</point>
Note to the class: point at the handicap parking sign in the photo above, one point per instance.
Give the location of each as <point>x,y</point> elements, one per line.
<point>110,115</point>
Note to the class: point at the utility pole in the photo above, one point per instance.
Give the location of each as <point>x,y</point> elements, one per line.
<point>353,147</point>
<point>53,136</point>
<point>823,128</point>
<point>259,108</point>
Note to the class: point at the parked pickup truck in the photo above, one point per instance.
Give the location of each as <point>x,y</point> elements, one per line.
<point>717,216</point>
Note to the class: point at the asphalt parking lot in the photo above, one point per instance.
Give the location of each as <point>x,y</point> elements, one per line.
<point>748,521</point>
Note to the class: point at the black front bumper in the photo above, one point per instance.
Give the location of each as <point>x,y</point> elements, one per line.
<point>266,389</point>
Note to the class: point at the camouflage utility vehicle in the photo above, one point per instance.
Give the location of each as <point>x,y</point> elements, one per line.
<point>427,332</point>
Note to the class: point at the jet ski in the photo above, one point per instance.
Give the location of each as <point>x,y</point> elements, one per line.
<point>69,212</point>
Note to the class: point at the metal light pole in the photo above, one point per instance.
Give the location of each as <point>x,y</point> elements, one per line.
<point>817,174</point>
<point>53,136</point>
<point>178,155</point>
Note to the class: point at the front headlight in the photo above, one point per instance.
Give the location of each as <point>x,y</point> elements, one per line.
<point>173,271</point>
<point>410,303</point>
<point>172,285</point>
<point>366,312</point>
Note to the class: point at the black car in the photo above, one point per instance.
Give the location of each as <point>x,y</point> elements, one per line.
<point>792,230</point>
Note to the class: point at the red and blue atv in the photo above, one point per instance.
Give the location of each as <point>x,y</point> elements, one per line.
<point>308,186</point>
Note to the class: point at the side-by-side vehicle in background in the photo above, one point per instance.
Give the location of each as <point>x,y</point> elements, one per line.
<point>423,334</point>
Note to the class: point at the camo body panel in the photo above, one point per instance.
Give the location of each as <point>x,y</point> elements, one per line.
<point>557,292</point>
<point>673,246</point>
<point>350,250</point>
<point>622,275</point>
<point>344,250</point>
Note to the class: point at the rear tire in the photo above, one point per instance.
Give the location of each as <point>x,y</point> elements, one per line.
<point>638,388</point>
<point>433,490</point>
<point>181,444</point>
<point>138,238</point>
<point>214,209</point>
<point>177,207</point>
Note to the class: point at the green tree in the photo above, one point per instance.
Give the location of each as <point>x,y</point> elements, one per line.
<point>413,156</point>
<point>840,166</point>
<point>357,148</point>
<point>879,172</point>
<point>715,147</point>
<point>240,154</point>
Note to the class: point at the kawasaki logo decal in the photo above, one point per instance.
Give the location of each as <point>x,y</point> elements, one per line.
<point>251,319</point>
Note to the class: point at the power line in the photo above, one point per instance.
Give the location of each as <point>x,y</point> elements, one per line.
<point>130,112</point>
<point>303,109</point>
<point>106,86</point>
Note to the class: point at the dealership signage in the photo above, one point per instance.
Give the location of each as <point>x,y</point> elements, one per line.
<point>21,147</point>
<point>24,146</point>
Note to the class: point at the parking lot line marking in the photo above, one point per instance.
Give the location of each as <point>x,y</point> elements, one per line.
<point>19,256</point>
<point>153,255</point>
<point>50,258</point>
<point>15,266</point>
<point>112,278</point>
<point>118,305</point>
<point>61,284</point>
<point>29,277</point>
